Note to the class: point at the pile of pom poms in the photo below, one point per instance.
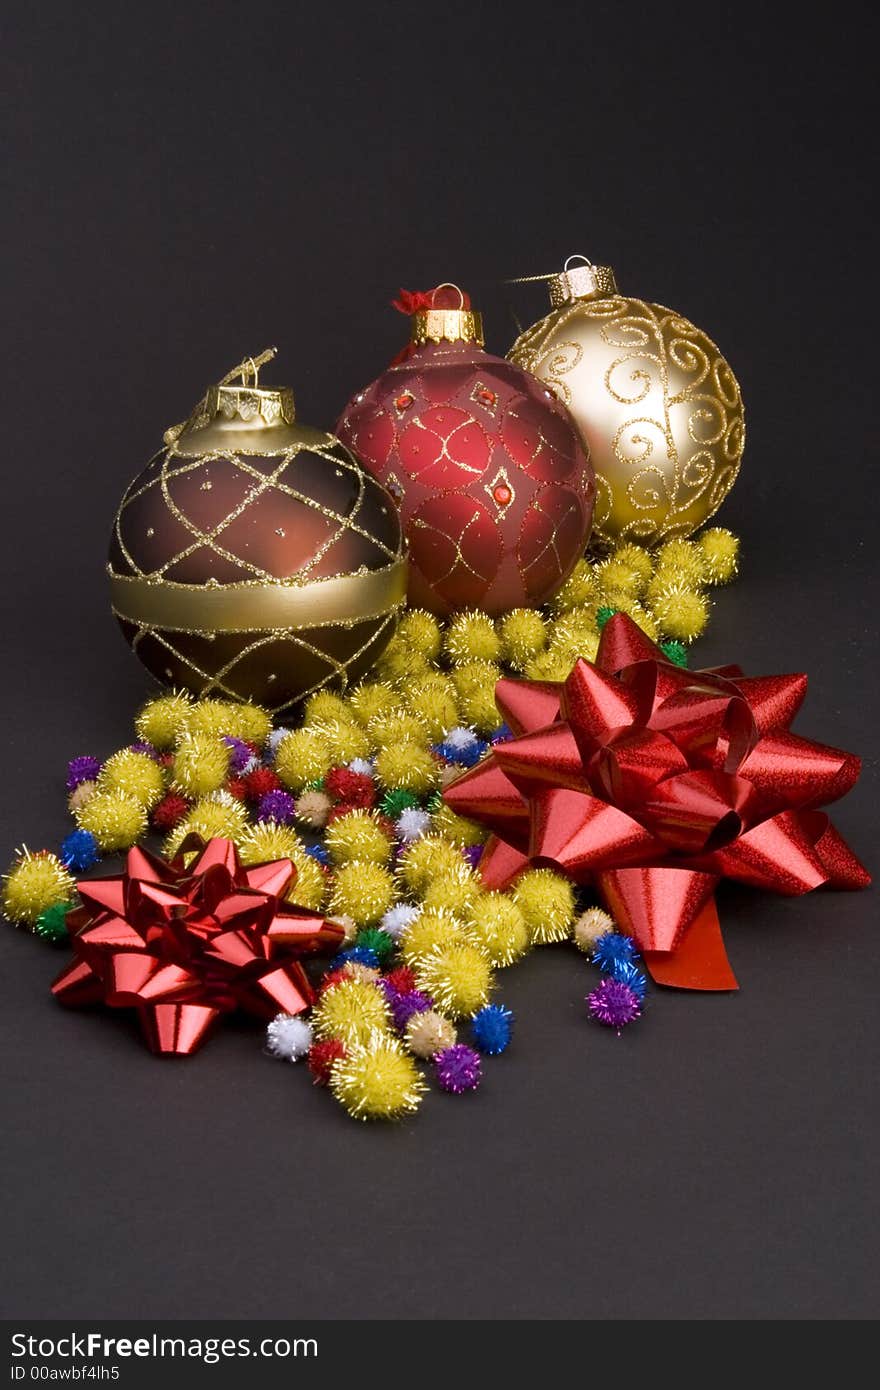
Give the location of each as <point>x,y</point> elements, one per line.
<point>352,796</point>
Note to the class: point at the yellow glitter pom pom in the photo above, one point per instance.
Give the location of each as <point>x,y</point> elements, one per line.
<point>471,636</point>
<point>406,766</point>
<point>720,551</point>
<point>681,613</point>
<point>682,563</point>
<point>420,631</point>
<point>453,827</point>
<point>497,927</point>
<point>266,841</point>
<point>645,618</point>
<point>214,717</point>
<point>433,702</point>
<point>453,892</point>
<point>546,901</point>
<point>162,721</point>
<point>635,557</point>
<point>474,674</point>
<point>426,859</point>
<point>251,723</point>
<point>216,814</point>
<point>552,665</point>
<point>477,706</point>
<point>399,663</point>
<point>579,589</point>
<point>135,775</point>
<point>302,757</point>
<point>357,835</point>
<point>373,700</point>
<point>523,635</point>
<point>115,820</point>
<point>201,764</point>
<point>309,888</point>
<point>350,1011</point>
<point>457,976</point>
<point>429,1033</point>
<point>575,635</point>
<point>34,883</point>
<point>615,576</point>
<point>427,932</point>
<point>346,740</point>
<point>326,708</point>
<point>377,1080</point>
<point>398,727</point>
<point>362,890</point>
<point>592,924</point>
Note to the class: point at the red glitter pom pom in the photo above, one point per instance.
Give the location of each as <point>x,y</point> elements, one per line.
<point>170,811</point>
<point>237,787</point>
<point>355,788</point>
<point>322,1055</point>
<point>260,781</point>
<point>402,979</point>
<point>332,978</point>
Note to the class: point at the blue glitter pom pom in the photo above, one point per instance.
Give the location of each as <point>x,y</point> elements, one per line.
<point>360,955</point>
<point>491,1027</point>
<point>612,948</point>
<point>79,851</point>
<point>318,852</point>
<point>625,973</point>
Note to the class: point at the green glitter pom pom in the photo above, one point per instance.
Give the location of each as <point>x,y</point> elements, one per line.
<point>603,615</point>
<point>676,652</point>
<point>51,925</point>
<point>434,802</point>
<point>374,939</point>
<point>395,802</point>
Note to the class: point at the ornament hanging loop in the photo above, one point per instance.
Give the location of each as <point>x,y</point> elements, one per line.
<point>448,285</point>
<point>249,368</point>
<point>577,256</point>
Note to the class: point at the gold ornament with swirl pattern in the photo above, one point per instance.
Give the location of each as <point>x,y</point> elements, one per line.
<point>657,404</point>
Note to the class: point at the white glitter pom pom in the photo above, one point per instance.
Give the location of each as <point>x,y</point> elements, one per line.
<point>398,918</point>
<point>288,1037</point>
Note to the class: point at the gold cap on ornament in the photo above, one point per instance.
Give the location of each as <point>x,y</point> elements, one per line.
<point>585,281</point>
<point>244,402</point>
<point>436,325</point>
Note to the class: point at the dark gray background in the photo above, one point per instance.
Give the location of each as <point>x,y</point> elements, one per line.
<point>185,188</point>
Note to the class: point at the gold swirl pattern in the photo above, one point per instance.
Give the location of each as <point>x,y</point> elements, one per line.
<point>657,404</point>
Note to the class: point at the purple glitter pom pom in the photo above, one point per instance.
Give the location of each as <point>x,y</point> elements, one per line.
<point>473,854</point>
<point>240,754</point>
<point>613,1004</point>
<point>84,769</point>
<point>277,806</point>
<point>458,1069</point>
<point>403,1006</point>
<point>143,747</point>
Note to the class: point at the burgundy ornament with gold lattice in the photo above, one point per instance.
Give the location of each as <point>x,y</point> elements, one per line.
<point>494,486</point>
<point>254,557</point>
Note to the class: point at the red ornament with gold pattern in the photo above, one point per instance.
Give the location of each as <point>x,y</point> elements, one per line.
<point>494,485</point>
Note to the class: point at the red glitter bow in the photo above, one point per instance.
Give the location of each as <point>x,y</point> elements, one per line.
<point>184,945</point>
<point>653,783</point>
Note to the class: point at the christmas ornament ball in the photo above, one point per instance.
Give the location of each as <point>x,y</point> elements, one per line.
<point>494,486</point>
<point>254,557</point>
<point>654,399</point>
